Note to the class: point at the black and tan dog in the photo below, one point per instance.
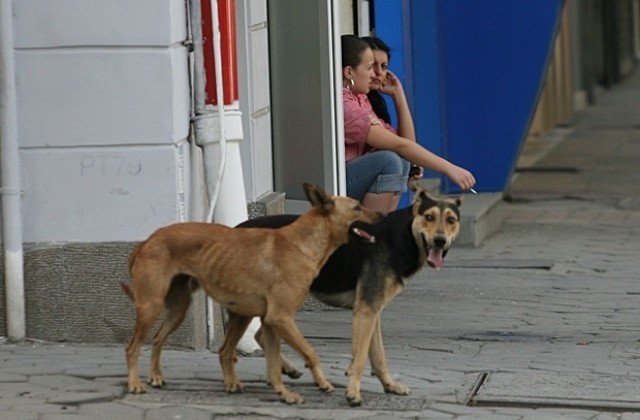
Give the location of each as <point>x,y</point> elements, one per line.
<point>365,277</point>
<point>251,272</point>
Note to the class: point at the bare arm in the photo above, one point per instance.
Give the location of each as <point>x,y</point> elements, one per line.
<point>393,88</point>
<point>381,138</point>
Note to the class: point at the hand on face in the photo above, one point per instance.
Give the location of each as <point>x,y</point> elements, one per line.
<point>391,84</point>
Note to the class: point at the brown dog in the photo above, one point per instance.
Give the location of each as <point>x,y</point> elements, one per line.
<point>251,272</point>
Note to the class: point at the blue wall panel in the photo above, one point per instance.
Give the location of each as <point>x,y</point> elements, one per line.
<point>392,25</point>
<point>494,57</point>
<point>475,70</point>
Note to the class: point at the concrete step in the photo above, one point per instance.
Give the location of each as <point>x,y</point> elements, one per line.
<point>481,217</point>
<point>481,214</point>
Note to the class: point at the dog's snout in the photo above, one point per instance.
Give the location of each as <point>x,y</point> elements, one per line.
<point>374,217</point>
<point>440,241</point>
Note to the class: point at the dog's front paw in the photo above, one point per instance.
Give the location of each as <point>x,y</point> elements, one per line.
<point>354,398</point>
<point>325,386</point>
<point>397,388</point>
<point>353,392</point>
<point>234,387</point>
<point>136,387</point>
<point>291,371</point>
<point>290,397</point>
<point>156,381</point>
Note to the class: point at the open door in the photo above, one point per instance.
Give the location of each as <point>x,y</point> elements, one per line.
<point>308,146</point>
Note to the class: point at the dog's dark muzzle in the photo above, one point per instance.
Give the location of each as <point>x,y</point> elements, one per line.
<point>439,241</point>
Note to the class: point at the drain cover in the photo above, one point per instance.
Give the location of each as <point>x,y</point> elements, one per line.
<point>547,389</point>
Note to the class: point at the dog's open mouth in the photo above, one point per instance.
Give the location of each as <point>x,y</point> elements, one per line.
<point>435,255</point>
<point>364,235</point>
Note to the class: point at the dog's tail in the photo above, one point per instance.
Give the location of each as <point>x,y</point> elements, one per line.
<point>127,289</point>
<point>134,254</point>
<point>132,257</point>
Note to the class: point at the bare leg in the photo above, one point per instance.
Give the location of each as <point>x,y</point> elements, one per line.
<point>383,202</point>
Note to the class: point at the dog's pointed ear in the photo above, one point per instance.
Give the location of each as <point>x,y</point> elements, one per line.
<point>422,201</point>
<point>455,199</point>
<point>318,197</point>
<point>422,195</point>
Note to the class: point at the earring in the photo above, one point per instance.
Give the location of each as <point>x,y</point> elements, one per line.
<point>351,84</point>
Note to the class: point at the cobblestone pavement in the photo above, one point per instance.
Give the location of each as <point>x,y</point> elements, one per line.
<point>542,321</point>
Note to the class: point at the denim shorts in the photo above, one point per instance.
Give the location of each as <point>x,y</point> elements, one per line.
<point>377,172</point>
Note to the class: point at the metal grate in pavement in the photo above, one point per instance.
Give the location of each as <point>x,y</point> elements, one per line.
<point>538,264</point>
<point>558,390</point>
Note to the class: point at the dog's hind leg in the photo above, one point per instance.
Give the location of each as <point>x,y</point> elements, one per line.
<point>236,327</point>
<point>150,280</point>
<point>379,362</point>
<point>286,328</point>
<point>271,342</point>
<point>177,303</point>
<point>146,314</point>
<point>288,368</point>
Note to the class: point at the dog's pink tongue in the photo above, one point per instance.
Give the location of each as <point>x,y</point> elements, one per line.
<point>435,258</point>
<point>365,235</point>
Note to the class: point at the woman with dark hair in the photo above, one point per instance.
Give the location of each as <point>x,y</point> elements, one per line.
<point>381,56</point>
<point>377,154</point>
<point>385,81</point>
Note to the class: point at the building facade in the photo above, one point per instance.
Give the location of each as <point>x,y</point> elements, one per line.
<point>120,131</point>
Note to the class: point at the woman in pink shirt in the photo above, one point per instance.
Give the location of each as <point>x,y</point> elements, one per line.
<point>378,155</point>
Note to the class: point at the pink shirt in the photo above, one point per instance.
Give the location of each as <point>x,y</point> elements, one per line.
<point>358,119</point>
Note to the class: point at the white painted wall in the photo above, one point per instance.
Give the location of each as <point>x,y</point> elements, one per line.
<point>103,117</point>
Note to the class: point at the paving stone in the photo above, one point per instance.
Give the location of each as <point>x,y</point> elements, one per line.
<point>177,413</point>
<point>15,415</point>
<point>12,377</point>
<point>86,397</point>
<point>61,382</point>
<point>62,417</point>
<point>28,409</point>
<point>111,411</point>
